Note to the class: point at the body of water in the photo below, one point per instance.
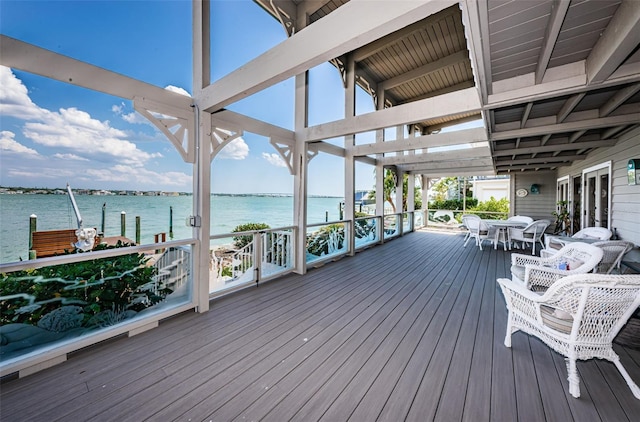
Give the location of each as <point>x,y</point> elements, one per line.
<point>55,212</point>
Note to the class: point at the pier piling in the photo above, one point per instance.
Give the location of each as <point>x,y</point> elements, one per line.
<point>171,222</point>
<point>33,222</point>
<point>123,224</point>
<point>137,229</point>
<point>104,211</point>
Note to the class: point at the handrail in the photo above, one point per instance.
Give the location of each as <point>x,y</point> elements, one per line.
<point>91,255</point>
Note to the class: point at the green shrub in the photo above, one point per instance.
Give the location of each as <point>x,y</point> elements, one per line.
<point>241,241</point>
<point>122,283</point>
<point>452,204</point>
<point>498,206</point>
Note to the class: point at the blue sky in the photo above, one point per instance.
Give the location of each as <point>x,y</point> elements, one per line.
<point>52,133</point>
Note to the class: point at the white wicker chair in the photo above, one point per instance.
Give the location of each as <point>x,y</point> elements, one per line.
<point>530,234</point>
<point>613,250</point>
<point>521,219</point>
<point>578,317</point>
<point>601,233</point>
<point>537,273</point>
<point>478,229</point>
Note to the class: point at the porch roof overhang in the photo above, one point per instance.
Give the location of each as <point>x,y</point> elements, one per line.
<point>552,81</point>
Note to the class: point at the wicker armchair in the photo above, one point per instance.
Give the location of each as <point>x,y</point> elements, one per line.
<point>578,317</point>
<point>613,250</point>
<point>478,229</point>
<point>538,273</point>
<point>601,233</point>
<point>530,234</point>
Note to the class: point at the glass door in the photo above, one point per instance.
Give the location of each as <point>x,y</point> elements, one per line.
<point>596,197</point>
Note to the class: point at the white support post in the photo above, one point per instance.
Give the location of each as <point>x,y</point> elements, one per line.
<point>379,166</point>
<point>399,177</point>
<point>202,167</point>
<point>300,163</point>
<point>425,198</point>
<point>349,161</point>
<point>202,211</point>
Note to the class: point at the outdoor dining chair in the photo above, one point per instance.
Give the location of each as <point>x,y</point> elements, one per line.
<point>578,317</point>
<point>531,234</point>
<point>538,273</point>
<point>478,229</point>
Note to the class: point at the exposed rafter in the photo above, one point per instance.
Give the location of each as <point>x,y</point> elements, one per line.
<point>616,43</point>
<point>558,12</point>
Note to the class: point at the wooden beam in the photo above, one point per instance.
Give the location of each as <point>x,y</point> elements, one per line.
<point>569,105</point>
<point>567,127</point>
<point>439,126</point>
<point>339,32</point>
<point>453,157</point>
<point>447,90</point>
<point>422,142</point>
<point>553,148</point>
<point>477,171</point>
<point>252,125</point>
<point>459,102</point>
<point>29,58</point>
<point>619,39</point>
<point>618,99</point>
<point>525,115</point>
<point>558,12</point>
<point>532,166</point>
<point>382,43</point>
<point>534,160</point>
<point>484,163</point>
<point>425,70</point>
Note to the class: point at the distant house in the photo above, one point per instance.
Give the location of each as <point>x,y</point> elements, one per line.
<point>496,187</point>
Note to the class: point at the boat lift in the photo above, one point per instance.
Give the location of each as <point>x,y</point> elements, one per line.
<point>86,236</point>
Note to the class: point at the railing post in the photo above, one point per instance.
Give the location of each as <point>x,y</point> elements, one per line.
<point>33,222</point>
<point>257,255</point>
<point>123,224</point>
<point>137,229</point>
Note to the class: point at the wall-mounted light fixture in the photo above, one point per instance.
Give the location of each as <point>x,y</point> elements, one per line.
<point>633,171</point>
<point>535,189</point>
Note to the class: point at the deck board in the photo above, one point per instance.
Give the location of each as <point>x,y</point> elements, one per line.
<point>410,330</point>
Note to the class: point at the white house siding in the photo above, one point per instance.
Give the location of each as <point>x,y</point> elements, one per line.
<point>625,199</point>
<point>537,206</point>
<point>485,189</point>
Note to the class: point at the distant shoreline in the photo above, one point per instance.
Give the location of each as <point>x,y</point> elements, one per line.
<point>11,190</point>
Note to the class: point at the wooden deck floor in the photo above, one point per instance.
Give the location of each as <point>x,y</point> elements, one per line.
<point>411,330</point>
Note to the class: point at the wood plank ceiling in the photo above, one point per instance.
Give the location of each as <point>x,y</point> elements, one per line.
<point>557,79</point>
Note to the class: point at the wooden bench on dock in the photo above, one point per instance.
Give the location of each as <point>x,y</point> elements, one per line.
<point>56,242</point>
<point>53,242</point>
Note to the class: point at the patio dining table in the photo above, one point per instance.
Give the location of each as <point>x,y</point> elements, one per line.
<point>554,241</point>
<point>502,227</point>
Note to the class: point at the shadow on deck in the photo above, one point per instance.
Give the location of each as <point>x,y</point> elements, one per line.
<point>411,330</point>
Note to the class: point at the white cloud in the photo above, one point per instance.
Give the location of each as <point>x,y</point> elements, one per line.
<point>14,98</point>
<point>69,157</point>
<point>9,145</point>
<point>71,129</point>
<point>274,159</point>
<point>142,176</point>
<point>234,150</point>
<point>177,90</point>
<point>134,117</point>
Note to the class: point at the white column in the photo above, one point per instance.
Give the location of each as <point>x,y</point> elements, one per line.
<point>349,142</point>
<point>300,166</point>
<point>399,175</point>
<point>425,197</point>
<point>411,187</point>
<point>202,166</point>
<point>380,167</point>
